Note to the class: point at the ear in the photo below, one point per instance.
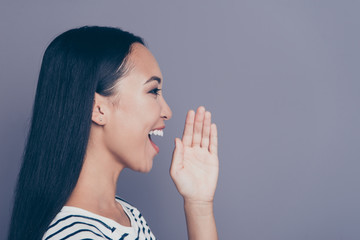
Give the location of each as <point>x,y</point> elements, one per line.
<point>100,110</point>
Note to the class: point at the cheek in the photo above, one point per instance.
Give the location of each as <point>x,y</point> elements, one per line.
<point>127,139</point>
<point>128,147</point>
<point>143,114</point>
<point>127,133</point>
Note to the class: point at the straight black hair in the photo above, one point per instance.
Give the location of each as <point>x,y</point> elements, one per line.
<point>75,65</point>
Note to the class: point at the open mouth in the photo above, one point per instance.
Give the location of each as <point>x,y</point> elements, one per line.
<point>156,132</point>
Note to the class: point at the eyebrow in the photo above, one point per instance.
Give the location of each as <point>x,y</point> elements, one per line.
<point>153,78</point>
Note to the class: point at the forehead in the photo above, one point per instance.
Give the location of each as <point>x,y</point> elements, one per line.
<point>143,63</point>
<point>141,67</point>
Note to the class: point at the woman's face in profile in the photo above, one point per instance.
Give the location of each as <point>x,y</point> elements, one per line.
<point>141,108</point>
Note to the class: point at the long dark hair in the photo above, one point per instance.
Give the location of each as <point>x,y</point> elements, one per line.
<point>75,65</point>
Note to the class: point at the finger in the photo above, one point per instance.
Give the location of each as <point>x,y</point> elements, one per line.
<point>177,159</point>
<point>198,126</point>
<point>213,139</point>
<point>188,129</point>
<point>206,131</point>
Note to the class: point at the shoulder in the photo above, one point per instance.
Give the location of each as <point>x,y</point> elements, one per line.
<point>138,220</point>
<point>73,224</point>
<point>129,208</point>
<point>125,203</point>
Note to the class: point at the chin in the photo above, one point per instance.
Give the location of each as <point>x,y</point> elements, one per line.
<point>143,170</point>
<point>145,167</point>
<point>148,168</point>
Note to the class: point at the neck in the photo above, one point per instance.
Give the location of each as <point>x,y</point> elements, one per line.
<point>96,187</point>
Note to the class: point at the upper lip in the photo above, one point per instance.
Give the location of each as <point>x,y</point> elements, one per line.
<point>159,128</point>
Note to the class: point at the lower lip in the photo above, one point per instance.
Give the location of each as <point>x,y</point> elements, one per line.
<point>154,145</point>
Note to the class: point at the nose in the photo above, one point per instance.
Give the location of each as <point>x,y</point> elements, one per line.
<point>166,112</point>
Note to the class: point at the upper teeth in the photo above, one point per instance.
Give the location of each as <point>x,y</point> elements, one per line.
<point>157,132</point>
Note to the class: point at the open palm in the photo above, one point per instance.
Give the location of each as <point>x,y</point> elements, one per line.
<point>195,163</point>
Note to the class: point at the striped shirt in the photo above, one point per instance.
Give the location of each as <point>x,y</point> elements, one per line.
<point>74,223</point>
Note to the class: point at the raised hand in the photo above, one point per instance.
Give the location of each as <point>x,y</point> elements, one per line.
<point>195,163</point>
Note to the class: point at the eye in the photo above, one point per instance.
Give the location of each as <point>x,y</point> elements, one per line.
<point>155,91</point>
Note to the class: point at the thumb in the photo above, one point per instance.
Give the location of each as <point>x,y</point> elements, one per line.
<point>177,158</point>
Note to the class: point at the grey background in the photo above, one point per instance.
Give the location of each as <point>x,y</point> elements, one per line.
<point>280,77</point>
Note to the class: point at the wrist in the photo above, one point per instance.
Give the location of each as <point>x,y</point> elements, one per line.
<point>199,208</point>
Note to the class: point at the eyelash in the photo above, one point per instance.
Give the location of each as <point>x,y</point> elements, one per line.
<point>155,91</point>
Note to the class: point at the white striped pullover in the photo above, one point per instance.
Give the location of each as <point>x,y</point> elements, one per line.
<point>74,223</point>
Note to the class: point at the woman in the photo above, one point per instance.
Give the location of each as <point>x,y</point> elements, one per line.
<point>98,101</point>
